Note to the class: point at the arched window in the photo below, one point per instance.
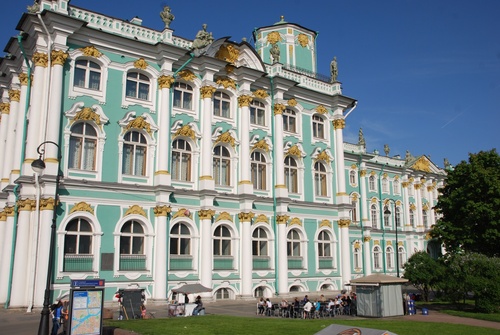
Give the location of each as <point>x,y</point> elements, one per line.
<point>259,243</point>
<point>222,104</point>
<point>289,121</point>
<point>385,185</point>
<point>222,294</point>
<point>354,211</point>
<point>320,179</point>
<point>134,154</point>
<point>318,127</point>
<point>389,254</point>
<point>258,170</point>
<point>352,177</point>
<point>78,246</point>
<point>87,74</point>
<point>387,217</point>
<point>257,113</point>
<point>396,186</point>
<point>132,256</point>
<point>412,218</point>
<point>324,244</point>
<point>373,215</point>
<point>376,257</point>
<point>183,96</point>
<point>401,257</point>
<point>291,175</point>
<point>181,160</point>
<point>180,240</point>
<point>82,147</point>
<point>222,241</point>
<point>397,217</point>
<point>222,166</point>
<point>137,86</point>
<point>357,258</point>
<point>425,220</point>
<point>371,183</point>
<point>293,243</point>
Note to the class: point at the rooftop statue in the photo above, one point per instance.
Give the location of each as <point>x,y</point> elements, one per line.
<point>387,149</point>
<point>203,38</point>
<point>334,71</point>
<point>167,16</point>
<point>361,138</point>
<point>275,53</point>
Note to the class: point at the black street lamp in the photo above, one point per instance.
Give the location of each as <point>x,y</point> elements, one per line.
<point>387,213</point>
<point>38,165</point>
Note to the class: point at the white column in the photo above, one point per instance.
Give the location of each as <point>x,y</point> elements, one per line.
<point>10,136</point>
<point>206,255</point>
<point>4,124</point>
<point>345,250</point>
<point>245,185</point>
<point>19,291</point>
<point>365,206</point>
<point>34,135</point>
<point>162,174</point>
<point>338,125</point>
<point>246,254</point>
<point>418,199</point>
<point>15,164</point>
<point>206,178</point>
<point>160,254</point>
<point>279,164</point>
<point>282,255</point>
<point>6,251</point>
<point>367,255</point>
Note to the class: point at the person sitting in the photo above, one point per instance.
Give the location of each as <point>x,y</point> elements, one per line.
<point>199,306</point>
<point>331,307</point>
<point>261,306</point>
<point>269,307</point>
<point>284,308</point>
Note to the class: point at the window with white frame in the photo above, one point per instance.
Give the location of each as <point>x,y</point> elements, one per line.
<point>258,170</point>
<point>222,241</point>
<point>222,294</point>
<point>318,126</point>
<point>87,74</point>
<point>354,210</point>
<point>293,243</point>
<point>132,251</point>
<point>371,183</point>
<point>425,220</point>
<point>401,256</point>
<point>389,254</point>
<point>82,147</point>
<point>412,218</point>
<point>385,185</point>
<point>137,86</point>
<point>180,240</point>
<point>387,217</point>
<point>396,186</point>
<point>183,96</point>
<point>257,113</point>
<point>222,166</point>
<point>352,177</point>
<point>222,104</point>
<point>291,174</point>
<point>134,158</point>
<point>259,242</point>
<point>374,215</point>
<point>377,258</point>
<point>324,244</point>
<point>320,179</point>
<point>357,258</point>
<point>181,160</point>
<point>289,121</point>
<point>397,216</point>
<point>78,246</point>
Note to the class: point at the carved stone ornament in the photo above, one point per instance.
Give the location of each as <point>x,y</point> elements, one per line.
<point>363,173</point>
<point>226,137</point>
<point>367,239</point>
<point>139,123</point>
<point>279,108</point>
<point>261,218</point>
<point>207,91</point>
<point>135,209</point>
<point>295,221</point>
<point>91,51</point>
<point>303,40</point>
<point>413,207</point>
<point>262,144</point>
<point>4,107</point>
<point>273,37</point>
<point>87,114</point>
<point>344,223</point>
<point>323,156</point>
<point>422,164</point>
<point>245,217</point>
<point>40,59</point>
<point>226,82</point>
<point>23,78</point>
<point>165,81</point>
<point>339,124</point>
<point>354,197</point>
<point>294,151</point>
<point>230,68</point>
<point>82,206</point>
<point>405,184</point>
<point>244,100</point>
<point>185,131</point>
<point>183,212</point>
<point>26,205</point>
<point>47,204</point>
<point>3,216</point>
<point>162,210</point>
<point>228,53</point>
<point>14,95</point>
<point>9,210</point>
<point>357,245</point>
<point>325,223</point>
<point>261,94</point>
<point>425,207</point>
<point>187,75</point>
<point>224,216</point>
<point>282,219</point>
<point>58,57</point>
<point>206,214</point>
<point>321,109</point>
<point>141,64</point>
<point>292,102</point>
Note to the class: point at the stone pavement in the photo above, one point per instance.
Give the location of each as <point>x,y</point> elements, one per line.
<point>19,322</point>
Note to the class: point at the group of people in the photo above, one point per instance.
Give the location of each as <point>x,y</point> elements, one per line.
<point>306,308</point>
<point>60,317</point>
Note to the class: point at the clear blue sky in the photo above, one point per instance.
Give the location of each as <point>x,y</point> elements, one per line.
<point>426,73</point>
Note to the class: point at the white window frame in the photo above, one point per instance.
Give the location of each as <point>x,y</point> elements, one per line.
<point>74,91</point>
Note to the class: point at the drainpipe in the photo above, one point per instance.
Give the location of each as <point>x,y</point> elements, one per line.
<point>361,214</point>
<point>49,73</point>
<point>275,228</point>
<point>23,149</point>
<point>382,217</point>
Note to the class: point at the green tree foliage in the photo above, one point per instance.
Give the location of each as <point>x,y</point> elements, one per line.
<point>423,272</point>
<point>470,206</point>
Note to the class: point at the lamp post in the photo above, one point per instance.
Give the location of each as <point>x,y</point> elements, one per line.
<point>38,165</point>
<point>387,214</point>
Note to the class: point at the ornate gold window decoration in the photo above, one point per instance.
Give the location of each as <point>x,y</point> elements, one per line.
<point>413,207</point>
<point>224,216</point>
<point>185,130</point>
<point>207,91</point>
<point>357,245</point>
<point>422,164</point>
<point>228,53</point>
<point>206,214</point>
<point>303,40</point>
<point>139,123</point>
<point>354,197</point>
<point>135,209</point>
<point>165,81</point>
<point>262,218</point>
<point>323,156</point>
<point>226,137</point>
<point>273,37</point>
<point>261,94</point>
<point>162,210</point>
<point>140,64</point>
<point>187,75</point>
<point>425,207</point>
<point>294,151</point>
<point>262,144</point>
<point>376,242</point>
<point>82,206</point>
<point>292,102</point>
<point>325,223</point>
<point>91,51</point>
<point>295,221</point>
<point>279,108</point>
<point>87,114</point>
<point>226,82</point>
<point>321,109</point>
<point>183,213</point>
<point>373,201</point>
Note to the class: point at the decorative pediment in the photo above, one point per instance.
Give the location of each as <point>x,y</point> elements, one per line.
<point>261,218</point>
<point>325,223</point>
<point>294,150</point>
<point>183,213</point>
<point>91,51</point>
<point>228,136</point>
<point>263,144</point>
<point>295,221</point>
<point>228,53</point>
<point>82,206</point>
<point>225,82</point>
<point>94,113</point>
<point>187,130</point>
<point>135,209</point>
<point>143,122</point>
<point>224,216</point>
<point>187,75</point>
<point>422,164</point>
<point>322,155</point>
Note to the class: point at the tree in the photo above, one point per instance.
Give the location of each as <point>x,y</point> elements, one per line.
<point>470,206</point>
<point>423,272</point>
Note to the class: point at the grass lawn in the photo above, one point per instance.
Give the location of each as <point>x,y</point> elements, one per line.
<point>463,310</point>
<point>222,324</point>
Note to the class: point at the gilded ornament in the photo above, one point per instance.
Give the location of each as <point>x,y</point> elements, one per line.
<point>135,209</point>
<point>165,81</point>
<point>374,201</point>
<point>14,95</point>
<point>376,242</point>
<point>294,151</point>
<point>389,243</point>
<point>82,206</point>
<point>262,144</point>
<point>279,108</point>
<point>228,53</point>
<point>323,156</point>
<point>431,188</point>
<point>244,100</point>
<point>245,217</point>
<point>295,221</point>
<point>162,210</point>
<point>261,94</point>
<point>261,218</point>
<point>417,186</point>
<point>385,175</point>
<point>5,108</point>
<point>140,64</point>
<point>206,214</point>
<point>273,37</point>
<point>3,216</point>
<point>357,245</point>
<point>226,82</point>
<point>325,223</point>
<point>91,51</point>
<point>355,197</point>
<point>321,109</point>
<point>422,164</point>
<point>88,114</point>
<point>354,166</point>
<point>224,216</point>
<point>339,124</point>
<point>292,102</point>
<point>396,177</point>
<point>9,210</point>
<point>226,137</point>
<point>187,75</point>
<point>425,207</point>
<point>23,78</point>
<point>185,131</point>
<point>183,212</point>
<point>26,205</point>
<point>58,57</point>
<point>344,223</point>
<point>47,204</point>
<point>401,244</point>
<point>139,123</point>
<point>405,184</point>
<point>411,180</point>
<point>303,40</point>
<point>207,91</point>
<point>363,173</point>
<point>367,239</point>
<point>40,59</point>
<point>282,219</point>
<point>413,207</point>
<point>230,68</point>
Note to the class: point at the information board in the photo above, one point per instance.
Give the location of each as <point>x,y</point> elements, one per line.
<point>86,307</point>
